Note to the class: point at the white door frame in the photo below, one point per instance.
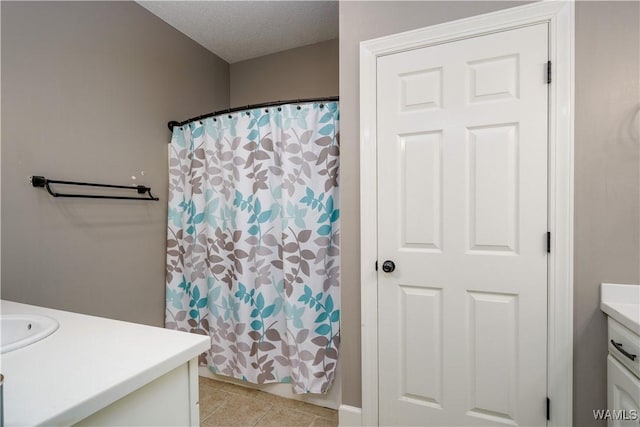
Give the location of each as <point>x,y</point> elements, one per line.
<point>560,17</point>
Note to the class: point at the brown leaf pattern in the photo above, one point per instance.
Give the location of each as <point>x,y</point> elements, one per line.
<point>253,242</point>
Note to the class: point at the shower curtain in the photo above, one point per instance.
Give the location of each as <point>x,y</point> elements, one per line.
<point>253,242</point>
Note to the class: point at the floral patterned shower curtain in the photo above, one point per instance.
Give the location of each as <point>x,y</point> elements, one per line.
<point>253,242</point>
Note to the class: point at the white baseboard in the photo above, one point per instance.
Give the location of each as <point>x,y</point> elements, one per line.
<point>349,416</point>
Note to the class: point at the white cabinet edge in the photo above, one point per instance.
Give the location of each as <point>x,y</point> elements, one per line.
<point>622,303</point>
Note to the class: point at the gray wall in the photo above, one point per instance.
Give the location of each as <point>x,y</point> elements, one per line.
<point>88,88</point>
<point>606,183</point>
<point>606,168</point>
<point>305,72</point>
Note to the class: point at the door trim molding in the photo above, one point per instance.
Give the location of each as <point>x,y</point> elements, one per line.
<point>560,15</point>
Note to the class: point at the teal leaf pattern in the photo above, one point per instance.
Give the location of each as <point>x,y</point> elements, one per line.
<point>253,242</point>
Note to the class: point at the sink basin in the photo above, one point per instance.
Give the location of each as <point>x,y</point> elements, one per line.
<point>21,330</point>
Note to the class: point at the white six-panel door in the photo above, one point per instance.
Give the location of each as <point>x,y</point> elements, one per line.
<point>462,212</point>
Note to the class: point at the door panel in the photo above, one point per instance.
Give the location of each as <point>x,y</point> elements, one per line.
<point>421,183</point>
<point>493,324</point>
<point>462,211</point>
<point>493,190</point>
<point>422,337</point>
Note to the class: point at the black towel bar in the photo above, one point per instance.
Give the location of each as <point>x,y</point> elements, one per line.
<point>41,181</point>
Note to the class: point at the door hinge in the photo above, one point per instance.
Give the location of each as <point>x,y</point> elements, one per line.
<point>548,409</point>
<point>548,72</point>
<point>376,265</point>
<point>548,242</point>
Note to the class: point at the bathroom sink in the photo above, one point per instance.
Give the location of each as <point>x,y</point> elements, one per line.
<point>21,330</point>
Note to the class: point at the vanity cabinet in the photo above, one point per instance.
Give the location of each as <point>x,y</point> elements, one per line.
<point>171,400</point>
<point>623,360</point>
<point>94,371</point>
<point>623,395</point>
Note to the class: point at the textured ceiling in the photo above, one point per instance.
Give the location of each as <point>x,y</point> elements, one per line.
<point>236,30</point>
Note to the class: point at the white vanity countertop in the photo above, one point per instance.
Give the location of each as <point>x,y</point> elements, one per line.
<point>87,364</point>
<point>622,303</point>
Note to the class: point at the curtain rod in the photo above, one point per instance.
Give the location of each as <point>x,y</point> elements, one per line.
<point>174,123</point>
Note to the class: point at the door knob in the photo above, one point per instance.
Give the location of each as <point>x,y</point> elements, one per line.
<point>388,266</point>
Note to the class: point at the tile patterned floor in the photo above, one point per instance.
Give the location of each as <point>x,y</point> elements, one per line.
<point>224,404</point>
